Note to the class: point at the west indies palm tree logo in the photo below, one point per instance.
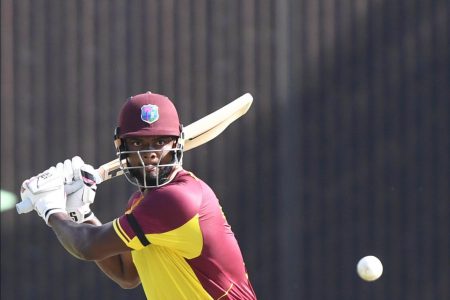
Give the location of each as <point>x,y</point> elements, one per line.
<point>149,113</point>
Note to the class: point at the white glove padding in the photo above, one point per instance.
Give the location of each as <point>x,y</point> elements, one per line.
<point>81,186</point>
<point>45,192</point>
<point>71,170</point>
<point>72,176</point>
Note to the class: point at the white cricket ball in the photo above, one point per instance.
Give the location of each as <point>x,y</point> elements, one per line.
<point>369,268</point>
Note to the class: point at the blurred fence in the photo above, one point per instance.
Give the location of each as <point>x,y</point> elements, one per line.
<point>345,152</point>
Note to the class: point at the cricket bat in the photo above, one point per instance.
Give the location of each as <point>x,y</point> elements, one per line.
<point>197,133</point>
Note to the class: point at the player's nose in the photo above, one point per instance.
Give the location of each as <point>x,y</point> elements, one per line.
<point>150,157</point>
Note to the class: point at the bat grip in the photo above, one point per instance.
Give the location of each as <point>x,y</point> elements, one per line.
<point>25,206</point>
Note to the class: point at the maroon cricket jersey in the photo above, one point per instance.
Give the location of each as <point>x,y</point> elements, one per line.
<point>183,246</point>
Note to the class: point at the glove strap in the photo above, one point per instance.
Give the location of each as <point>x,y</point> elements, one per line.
<point>52,211</point>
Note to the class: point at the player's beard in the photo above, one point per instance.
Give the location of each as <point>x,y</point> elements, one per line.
<point>151,180</point>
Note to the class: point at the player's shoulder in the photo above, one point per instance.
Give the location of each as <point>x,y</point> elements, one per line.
<point>194,185</point>
<point>182,195</point>
<point>184,186</point>
<point>184,179</point>
<point>135,196</point>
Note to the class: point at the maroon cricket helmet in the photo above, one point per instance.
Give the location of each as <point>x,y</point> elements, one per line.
<point>148,114</point>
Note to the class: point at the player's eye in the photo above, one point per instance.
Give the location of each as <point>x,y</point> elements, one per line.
<point>135,143</point>
<point>161,142</point>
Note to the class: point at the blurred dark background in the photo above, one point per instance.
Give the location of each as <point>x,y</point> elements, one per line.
<point>344,153</point>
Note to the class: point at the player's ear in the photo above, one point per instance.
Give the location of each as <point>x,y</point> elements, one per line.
<point>119,143</point>
<point>117,140</point>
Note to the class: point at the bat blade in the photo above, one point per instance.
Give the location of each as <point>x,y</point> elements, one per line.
<point>110,170</point>
<point>197,133</point>
<point>210,126</point>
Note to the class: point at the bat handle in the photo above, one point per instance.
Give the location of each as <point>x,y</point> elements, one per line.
<point>25,206</point>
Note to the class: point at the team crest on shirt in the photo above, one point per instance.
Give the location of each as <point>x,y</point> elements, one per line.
<point>149,113</point>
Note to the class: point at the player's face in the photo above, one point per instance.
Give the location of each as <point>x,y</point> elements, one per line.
<point>149,152</point>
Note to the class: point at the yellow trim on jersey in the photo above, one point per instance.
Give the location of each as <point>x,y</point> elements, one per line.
<point>120,232</point>
<point>133,243</point>
<point>135,203</point>
<point>186,240</point>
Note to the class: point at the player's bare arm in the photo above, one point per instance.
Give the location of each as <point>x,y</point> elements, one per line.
<point>120,268</point>
<point>97,243</point>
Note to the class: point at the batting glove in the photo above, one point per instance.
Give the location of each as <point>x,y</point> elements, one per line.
<point>80,186</point>
<point>45,192</point>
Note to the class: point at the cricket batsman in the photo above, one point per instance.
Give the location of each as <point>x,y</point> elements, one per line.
<point>172,237</point>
